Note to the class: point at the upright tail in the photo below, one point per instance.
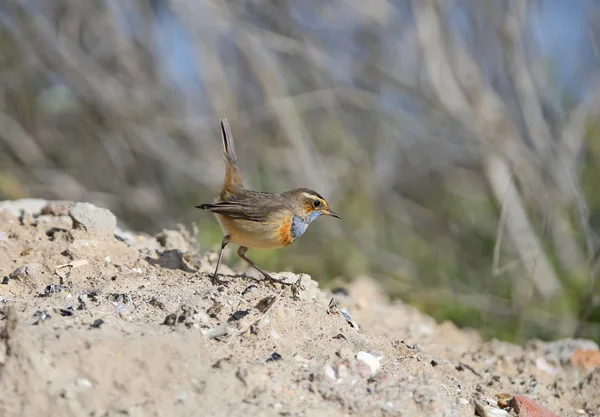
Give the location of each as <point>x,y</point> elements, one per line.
<point>232,173</point>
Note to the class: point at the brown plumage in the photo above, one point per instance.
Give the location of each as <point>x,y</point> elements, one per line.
<point>255,219</point>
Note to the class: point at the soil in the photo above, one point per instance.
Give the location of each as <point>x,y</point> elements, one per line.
<point>97,322</point>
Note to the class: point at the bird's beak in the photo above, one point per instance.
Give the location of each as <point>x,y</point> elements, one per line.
<point>333,214</point>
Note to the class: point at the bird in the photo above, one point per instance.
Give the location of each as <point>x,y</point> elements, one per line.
<point>257,219</point>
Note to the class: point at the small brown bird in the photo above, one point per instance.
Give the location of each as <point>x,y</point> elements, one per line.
<point>260,220</point>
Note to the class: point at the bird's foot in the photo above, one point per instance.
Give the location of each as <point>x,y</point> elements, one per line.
<point>214,279</point>
<point>274,280</point>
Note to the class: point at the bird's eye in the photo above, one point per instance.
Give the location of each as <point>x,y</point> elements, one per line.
<point>316,203</point>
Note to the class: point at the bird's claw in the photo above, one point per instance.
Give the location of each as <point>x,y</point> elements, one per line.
<point>274,281</point>
<point>216,281</point>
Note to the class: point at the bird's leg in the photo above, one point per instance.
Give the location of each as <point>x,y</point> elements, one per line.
<point>242,254</point>
<point>215,278</point>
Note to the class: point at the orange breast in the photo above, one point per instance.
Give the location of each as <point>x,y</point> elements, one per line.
<point>285,231</point>
<point>259,235</point>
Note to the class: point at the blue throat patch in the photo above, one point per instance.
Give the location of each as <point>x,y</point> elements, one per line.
<point>299,224</point>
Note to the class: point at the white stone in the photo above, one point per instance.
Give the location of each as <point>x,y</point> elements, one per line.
<point>370,360</point>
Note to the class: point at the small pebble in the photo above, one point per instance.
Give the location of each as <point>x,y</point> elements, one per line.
<point>274,357</point>
<point>349,319</point>
<point>97,323</point>
<point>83,383</point>
<point>89,217</point>
<point>487,411</point>
<point>41,315</point>
<point>238,315</point>
<point>182,397</point>
<point>220,330</point>
<point>330,373</point>
<point>66,312</point>
<point>301,358</point>
<point>370,360</point>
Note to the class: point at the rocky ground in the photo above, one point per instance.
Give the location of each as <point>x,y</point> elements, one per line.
<point>96,321</point>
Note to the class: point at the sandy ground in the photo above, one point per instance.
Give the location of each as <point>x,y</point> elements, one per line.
<point>98,325</point>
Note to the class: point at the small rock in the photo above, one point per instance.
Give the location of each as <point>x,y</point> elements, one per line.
<point>330,373</point>
<point>492,402</point>
<point>82,298</point>
<point>41,316</point>
<point>273,357</point>
<point>52,289</point>
<point>503,399</point>
<point>30,205</point>
<point>463,401</point>
<point>118,298</point>
<point>586,359</point>
<point>220,330</point>
<point>172,259</point>
<point>544,365</point>
<point>370,360</point>
<point>83,383</point>
<point>172,239</point>
<point>97,323</point>
<point>66,312</point>
<point>349,318</point>
<point>526,407</point>
<point>563,349</point>
<point>301,358</point>
<point>170,319</point>
<point>182,397</point>
<point>28,274</point>
<point>487,411</point>
<point>238,315</point>
<point>90,217</point>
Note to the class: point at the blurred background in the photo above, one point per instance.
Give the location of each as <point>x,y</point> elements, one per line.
<point>458,139</point>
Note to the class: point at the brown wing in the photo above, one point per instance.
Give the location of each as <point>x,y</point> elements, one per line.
<point>254,207</point>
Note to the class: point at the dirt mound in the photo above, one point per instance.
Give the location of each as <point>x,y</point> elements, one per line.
<point>100,322</point>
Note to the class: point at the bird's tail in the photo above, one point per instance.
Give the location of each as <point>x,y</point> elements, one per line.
<point>232,172</point>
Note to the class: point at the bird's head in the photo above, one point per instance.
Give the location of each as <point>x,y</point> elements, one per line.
<point>309,204</point>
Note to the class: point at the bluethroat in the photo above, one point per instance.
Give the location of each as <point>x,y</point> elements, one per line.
<point>255,219</point>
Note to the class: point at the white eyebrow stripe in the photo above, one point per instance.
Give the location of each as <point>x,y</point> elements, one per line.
<point>311,196</point>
